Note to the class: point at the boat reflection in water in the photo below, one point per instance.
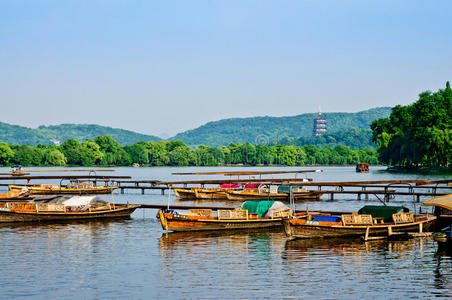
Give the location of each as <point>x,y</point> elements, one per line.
<point>240,238</point>
<point>351,245</point>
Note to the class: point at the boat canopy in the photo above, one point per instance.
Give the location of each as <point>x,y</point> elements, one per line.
<point>252,186</point>
<point>230,186</point>
<point>441,201</point>
<point>79,201</point>
<point>258,207</point>
<point>264,208</point>
<point>285,189</point>
<point>384,212</point>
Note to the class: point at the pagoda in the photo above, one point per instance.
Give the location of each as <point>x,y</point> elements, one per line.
<point>319,127</point>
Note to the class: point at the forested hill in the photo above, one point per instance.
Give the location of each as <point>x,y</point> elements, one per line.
<point>262,130</point>
<point>13,134</point>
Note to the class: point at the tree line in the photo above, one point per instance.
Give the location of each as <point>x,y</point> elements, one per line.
<point>105,151</point>
<point>417,135</point>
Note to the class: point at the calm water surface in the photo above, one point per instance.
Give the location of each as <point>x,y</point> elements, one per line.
<point>135,259</point>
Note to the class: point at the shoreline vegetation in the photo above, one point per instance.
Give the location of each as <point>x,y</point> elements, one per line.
<point>417,136</point>
<point>105,151</point>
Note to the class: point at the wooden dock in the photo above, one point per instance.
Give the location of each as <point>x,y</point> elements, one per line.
<point>384,190</point>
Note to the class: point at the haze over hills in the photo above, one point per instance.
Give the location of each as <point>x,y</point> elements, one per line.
<point>263,130</point>
<point>270,129</point>
<point>14,134</point>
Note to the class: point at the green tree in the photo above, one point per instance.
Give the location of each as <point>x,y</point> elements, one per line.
<point>55,158</point>
<point>72,150</point>
<point>6,154</point>
<point>109,148</point>
<point>138,153</point>
<point>91,154</point>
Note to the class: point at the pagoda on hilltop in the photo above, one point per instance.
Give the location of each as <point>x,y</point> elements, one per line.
<point>319,126</point>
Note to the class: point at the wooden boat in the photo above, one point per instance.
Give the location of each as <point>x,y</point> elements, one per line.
<point>370,220</point>
<point>206,219</point>
<point>188,194</point>
<point>211,194</point>
<point>443,212</point>
<point>15,195</point>
<point>281,193</point>
<point>362,167</point>
<point>38,212</point>
<point>70,189</point>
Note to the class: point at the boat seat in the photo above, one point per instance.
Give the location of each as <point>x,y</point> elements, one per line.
<point>355,219</point>
<point>402,218</point>
<point>236,214</point>
<point>200,212</point>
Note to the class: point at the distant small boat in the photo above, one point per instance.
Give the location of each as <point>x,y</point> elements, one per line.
<point>135,165</point>
<point>74,208</point>
<point>70,189</point>
<point>362,167</point>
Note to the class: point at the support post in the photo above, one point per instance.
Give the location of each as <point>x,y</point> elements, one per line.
<point>162,191</point>
<point>359,196</point>
<point>142,191</point>
<point>122,191</point>
<point>389,230</point>
<point>332,196</point>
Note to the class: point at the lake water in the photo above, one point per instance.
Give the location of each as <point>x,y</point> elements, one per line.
<point>136,259</point>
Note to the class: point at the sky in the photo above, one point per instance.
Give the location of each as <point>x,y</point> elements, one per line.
<point>163,67</point>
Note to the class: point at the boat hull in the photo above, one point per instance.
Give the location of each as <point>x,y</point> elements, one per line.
<point>298,228</point>
<point>211,195</point>
<point>240,196</point>
<point>185,194</point>
<point>13,216</point>
<point>174,222</point>
<point>67,191</point>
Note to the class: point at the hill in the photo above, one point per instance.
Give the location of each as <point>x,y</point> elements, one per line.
<point>14,134</point>
<point>262,130</point>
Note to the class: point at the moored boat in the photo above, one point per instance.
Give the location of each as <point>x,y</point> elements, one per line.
<point>280,193</point>
<point>443,211</point>
<point>185,193</point>
<point>15,195</point>
<point>370,220</point>
<point>210,194</point>
<point>252,215</point>
<point>70,189</point>
<point>74,208</point>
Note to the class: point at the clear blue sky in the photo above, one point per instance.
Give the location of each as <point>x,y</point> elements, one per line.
<point>168,66</point>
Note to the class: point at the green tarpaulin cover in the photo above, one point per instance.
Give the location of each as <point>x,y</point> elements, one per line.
<point>257,207</point>
<point>384,212</point>
<point>286,188</point>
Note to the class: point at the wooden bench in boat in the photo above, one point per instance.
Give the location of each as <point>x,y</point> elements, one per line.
<point>236,214</point>
<point>200,212</point>
<point>402,218</point>
<point>355,219</point>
